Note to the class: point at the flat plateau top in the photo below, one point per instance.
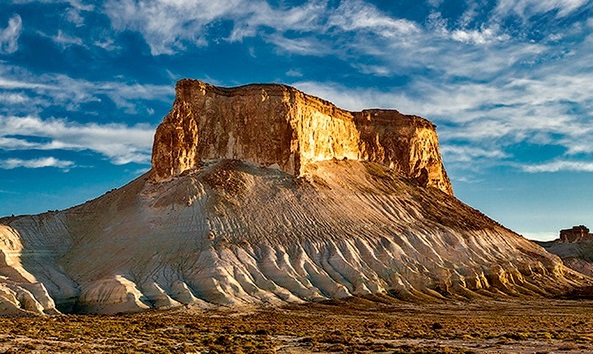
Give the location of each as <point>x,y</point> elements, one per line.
<point>185,86</point>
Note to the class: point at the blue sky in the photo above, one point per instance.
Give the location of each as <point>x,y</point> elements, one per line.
<point>83,85</point>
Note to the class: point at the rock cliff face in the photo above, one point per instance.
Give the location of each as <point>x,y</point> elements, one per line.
<point>250,201</point>
<point>575,235</point>
<point>277,125</point>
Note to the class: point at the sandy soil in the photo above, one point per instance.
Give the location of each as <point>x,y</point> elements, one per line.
<point>369,325</point>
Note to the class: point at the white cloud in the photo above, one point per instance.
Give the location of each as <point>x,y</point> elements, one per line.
<point>465,153</point>
<point>10,84</point>
<point>107,44</point>
<point>380,45</point>
<point>435,3</point>
<point>74,13</point>
<point>467,179</point>
<point>294,73</point>
<point>375,70</point>
<point>120,143</point>
<point>77,4</point>
<point>528,8</point>
<point>302,46</point>
<point>559,165</point>
<point>9,164</point>
<point>80,5</point>
<point>353,29</point>
<point>75,17</point>
<point>165,24</point>
<point>257,14</point>
<point>357,15</point>
<point>9,36</point>
<point>470,13</point>
<point>16,144</point>
<point>12,98</point>
<point>68,92</point>
<point>481,36</point>
<point>65,40</point>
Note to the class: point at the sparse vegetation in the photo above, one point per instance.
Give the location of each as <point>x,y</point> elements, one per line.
<point>353,326</point>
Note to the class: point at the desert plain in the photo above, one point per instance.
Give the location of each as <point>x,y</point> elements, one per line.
<point>374,324</point>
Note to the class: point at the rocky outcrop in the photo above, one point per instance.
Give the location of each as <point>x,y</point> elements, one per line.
<point>325,204</point>
<point>277,125</point>
<point>575,235</point>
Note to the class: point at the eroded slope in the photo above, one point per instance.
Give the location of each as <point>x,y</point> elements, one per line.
<point>235,233</point>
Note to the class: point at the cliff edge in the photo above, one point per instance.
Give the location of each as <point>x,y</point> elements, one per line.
<point>278,125</point>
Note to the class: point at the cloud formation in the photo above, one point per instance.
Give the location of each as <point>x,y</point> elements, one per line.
<point>37,92</point>
<point>168,25</point>
<point>528,8</point>
<point>10,164</point>
<point>560,165</point>
<point>120,143</point>
<point>9,36</point>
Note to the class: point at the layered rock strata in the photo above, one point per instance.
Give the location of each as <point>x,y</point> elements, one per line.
<point>278,125</point>
<point>324,204</point>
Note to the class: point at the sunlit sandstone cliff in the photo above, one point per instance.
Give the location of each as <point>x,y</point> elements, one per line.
<point>264,195</point>
<point>277,125</point>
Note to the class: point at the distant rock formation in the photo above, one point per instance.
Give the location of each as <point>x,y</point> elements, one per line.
<point>575,234</point>
<point>278,125</point>
<point>265,195</point>
<point>575,247</point>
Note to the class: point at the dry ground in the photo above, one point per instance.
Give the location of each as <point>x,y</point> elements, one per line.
<point>378,325</point>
